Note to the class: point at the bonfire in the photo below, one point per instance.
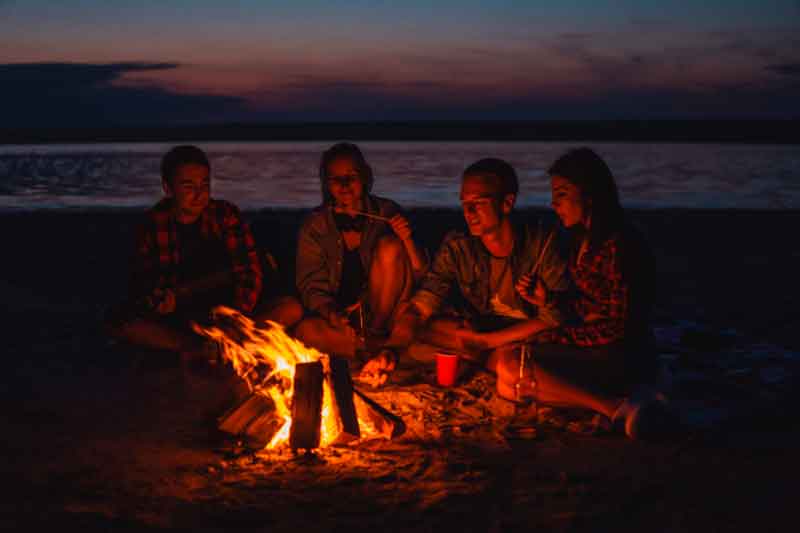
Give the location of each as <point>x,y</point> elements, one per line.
<point>299,397</point>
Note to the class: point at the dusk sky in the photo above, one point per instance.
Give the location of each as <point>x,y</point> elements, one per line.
<point>107,62</point>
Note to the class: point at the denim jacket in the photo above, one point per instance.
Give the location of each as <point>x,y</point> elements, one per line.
<point>320,249</point>
<point>463,261</point>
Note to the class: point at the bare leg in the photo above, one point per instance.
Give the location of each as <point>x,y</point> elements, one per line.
<point>155,334</point>
<point>285,310</point>
<point>390,281</point>
<point>551,388</point>
<point>318,333</point>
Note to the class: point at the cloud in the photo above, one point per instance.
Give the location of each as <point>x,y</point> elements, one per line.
<point>373,82</point>
<point>785,69</point>
<point>601,86</point>
<point>81,95</point>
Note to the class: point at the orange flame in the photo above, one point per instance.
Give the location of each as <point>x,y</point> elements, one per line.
<point>265,357</point>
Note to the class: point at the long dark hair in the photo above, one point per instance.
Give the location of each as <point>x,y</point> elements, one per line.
<point>344,149</point>
<point>590,174</point>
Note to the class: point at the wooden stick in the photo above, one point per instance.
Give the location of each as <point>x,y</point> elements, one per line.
<point>343,394</point>
<point>306,406</point>
<point>361,213</point>
<point>541,254</point>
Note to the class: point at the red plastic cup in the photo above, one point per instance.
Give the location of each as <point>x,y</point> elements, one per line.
<point>446,368</point>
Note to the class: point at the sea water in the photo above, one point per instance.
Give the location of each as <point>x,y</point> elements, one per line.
<point>257,175</point>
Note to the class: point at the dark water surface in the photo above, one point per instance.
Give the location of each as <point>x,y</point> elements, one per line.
<point>416,174</point>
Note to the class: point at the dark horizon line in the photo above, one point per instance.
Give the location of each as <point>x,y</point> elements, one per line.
<point>777,131</point>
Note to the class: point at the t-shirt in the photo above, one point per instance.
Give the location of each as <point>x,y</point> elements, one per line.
<point>504,299</point>
<point>201,256</point>
<point>353,278</point>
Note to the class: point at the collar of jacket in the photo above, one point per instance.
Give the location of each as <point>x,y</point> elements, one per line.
<point>522,237</point>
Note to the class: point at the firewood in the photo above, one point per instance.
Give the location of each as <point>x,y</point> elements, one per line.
<point>306,406</point>
<point>261,429</point>
<point>342,385</point>
<point>384,422</point>
<point>237,419</point>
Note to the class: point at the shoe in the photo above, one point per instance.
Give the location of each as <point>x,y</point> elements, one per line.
<point>645,415</point>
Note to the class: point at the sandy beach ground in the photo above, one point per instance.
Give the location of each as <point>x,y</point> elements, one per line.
<point>100,437</point>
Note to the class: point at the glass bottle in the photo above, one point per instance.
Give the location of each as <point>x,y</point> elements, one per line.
<point>525,388</point>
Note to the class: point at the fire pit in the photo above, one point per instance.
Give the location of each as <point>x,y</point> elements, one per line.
<point>299,397</point>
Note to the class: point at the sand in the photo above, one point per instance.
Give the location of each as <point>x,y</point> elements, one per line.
<point>99,436</point>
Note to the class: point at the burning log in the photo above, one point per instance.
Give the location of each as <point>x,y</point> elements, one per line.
<point>236,420</point>
<point>255,420</point>
<point>306,406</point>
<point>308,394</point>
<point>262,429</point>
<point>342,385</point>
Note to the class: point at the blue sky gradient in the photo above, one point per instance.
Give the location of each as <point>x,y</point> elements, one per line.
<point>176,62</point>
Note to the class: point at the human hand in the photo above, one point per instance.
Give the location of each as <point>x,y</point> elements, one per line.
<point>535,294</point>
<point>376,371</point>
<point>338,321</point>
<point>164,301</point>
<point>401,227</point>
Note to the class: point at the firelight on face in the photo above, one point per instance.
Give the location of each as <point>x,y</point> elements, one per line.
<point>479,203</point>
<point>567,201</point>
<point>191,191</point>
<point>345,183</point>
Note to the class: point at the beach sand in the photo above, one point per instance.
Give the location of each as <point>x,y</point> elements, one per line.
<point>99,436</point>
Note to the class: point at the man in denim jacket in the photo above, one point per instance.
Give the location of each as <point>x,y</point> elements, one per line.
<point>490,267</point>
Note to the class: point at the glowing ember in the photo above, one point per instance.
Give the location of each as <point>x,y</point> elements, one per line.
<point>265,357</point>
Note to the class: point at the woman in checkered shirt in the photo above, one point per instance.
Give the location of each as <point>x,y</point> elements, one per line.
<point>602,358</point>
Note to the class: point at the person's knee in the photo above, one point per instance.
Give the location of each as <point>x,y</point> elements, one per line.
<point>389,251</point>
<point>310,329</point>
<point>292,312</point>
<point>286,311</point>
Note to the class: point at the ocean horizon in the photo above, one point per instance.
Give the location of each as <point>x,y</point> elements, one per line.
<point>416,174</point>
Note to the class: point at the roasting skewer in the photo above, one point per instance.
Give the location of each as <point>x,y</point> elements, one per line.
<point>354,212</point>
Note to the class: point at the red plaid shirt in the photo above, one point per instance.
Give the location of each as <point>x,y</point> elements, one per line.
<point>157,254</point>
<point>602,296</point>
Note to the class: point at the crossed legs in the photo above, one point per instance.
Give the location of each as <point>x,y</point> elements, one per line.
<point>389,283</point>
<point>552,386</point>
<point>168,334</point>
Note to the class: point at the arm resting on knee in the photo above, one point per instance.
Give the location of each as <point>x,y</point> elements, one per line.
<point>518,332</point>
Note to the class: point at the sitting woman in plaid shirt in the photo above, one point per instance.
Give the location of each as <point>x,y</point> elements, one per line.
<point>598,361</point>
<point>192,253</point>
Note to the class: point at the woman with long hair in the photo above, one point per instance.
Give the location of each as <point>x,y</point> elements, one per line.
<point>599,360</point>
<point>356,258</point>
